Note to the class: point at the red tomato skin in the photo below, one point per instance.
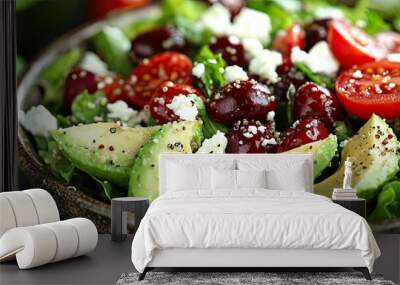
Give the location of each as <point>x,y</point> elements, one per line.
<point>100,8</point>
<point>286,40</point>
<point>152,72</point>
<point>384,105</point>
<point>347,48</point>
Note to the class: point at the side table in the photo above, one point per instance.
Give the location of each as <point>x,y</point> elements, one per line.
<point>119,215</point>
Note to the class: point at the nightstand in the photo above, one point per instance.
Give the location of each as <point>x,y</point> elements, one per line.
<point>119,215</point>
<point>358,206</point>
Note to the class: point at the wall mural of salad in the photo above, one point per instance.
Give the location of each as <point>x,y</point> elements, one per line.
<point>228,77</point>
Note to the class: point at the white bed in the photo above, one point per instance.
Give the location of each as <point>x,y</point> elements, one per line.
<point>248,227</point>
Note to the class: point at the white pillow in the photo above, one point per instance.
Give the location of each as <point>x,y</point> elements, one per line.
<point>182,178</point>
<point>251,179</point>
<point>293,180</point>
<point>282,174</point>
<point>224,179</point>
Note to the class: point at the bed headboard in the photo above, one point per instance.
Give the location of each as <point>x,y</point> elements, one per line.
<point>214,159</point>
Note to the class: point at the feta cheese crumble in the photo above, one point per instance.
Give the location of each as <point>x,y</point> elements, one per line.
<point>120,111</point>
<point>234,72</point>
<point>94,64</point>
<point>250,23</point>
<point>319,59</point>
<point>217,19</point>
<point>252,47</point>
<point>38,121</point>
<point>215,145</point>
<point>264,64</point>
<point>198,70</point>
<point>183,107</point>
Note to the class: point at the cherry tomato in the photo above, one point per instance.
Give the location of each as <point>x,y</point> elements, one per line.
<point>251,137</point>
<point>77,81</point>
<point>155,41</point>
<point>302,132</point>
<point>286,40</point>
<point>311,100</point>
<point>231,50</point>
<point>242,99</point>
<point>371,88</point>
<point>351,45</point>
<point>116,88</point>
<point>100,8</point>
<point>164,95</point>
<point>390,41</point>
<point>162,67</point>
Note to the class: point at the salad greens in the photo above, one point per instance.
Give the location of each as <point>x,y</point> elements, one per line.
<point>388,205</point>
<point>190,10</point>
<point>52,78</point>
<point>210,127</point>
<point>320,79</point>
<point>212,78</point>
<point>89,108</point>
<point>113,46</point>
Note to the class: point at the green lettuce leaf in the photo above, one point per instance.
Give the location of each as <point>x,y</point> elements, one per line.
<point>191,10</point>
<point>320,79</point>
<point>388,205</point>
<point>87,108</point>
<point>59,165</point>
<point>213,78</point>
<point>210,127</point>
<point>113,47</point>
<point>192,32</point>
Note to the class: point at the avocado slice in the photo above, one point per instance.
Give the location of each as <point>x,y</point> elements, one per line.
<point>374,152</point>
<point>177,137</point>
<point>104,150</point>
<point>323,151</point>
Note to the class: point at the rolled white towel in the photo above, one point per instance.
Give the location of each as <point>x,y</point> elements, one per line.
<point>23,208</point>
<point>37,245</point>
<point>7,218</point>
<point>45,205</point>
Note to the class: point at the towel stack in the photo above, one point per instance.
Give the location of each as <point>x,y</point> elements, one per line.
<point>344,194</point>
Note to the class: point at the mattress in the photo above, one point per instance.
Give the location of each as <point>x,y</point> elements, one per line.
<point>250,219</point>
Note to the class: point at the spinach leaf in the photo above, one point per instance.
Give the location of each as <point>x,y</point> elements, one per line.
<point>113,47</point>
<point>137,27</point>
<point>88,108</point>
<point>388,205</point>
<point>320,79</point>
<point>214,64</point>
<point>210,127</point>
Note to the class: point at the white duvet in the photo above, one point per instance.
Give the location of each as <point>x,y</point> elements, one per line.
<point>250,219</point>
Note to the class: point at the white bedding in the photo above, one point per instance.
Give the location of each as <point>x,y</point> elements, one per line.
<point>250,218</point>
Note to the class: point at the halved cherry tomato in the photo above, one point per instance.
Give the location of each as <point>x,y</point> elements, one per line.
<point>162,67</point>
<point>371,88</point>
<point>100,8</point>
<point>286,40</point>
<point>390,41</point>
<point>351,45</point>
<point>163,96</point>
